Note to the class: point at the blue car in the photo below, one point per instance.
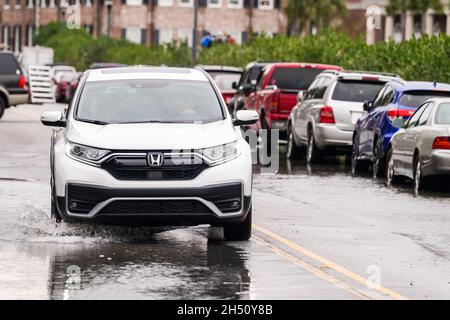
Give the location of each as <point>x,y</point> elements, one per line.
<point>394,104</point>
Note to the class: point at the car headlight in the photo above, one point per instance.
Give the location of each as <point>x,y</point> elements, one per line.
<point>221,154</point>
<point>85,153</point>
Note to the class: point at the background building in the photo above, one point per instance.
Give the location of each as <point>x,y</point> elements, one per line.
<point>142,21</point>
<point>160,21</point>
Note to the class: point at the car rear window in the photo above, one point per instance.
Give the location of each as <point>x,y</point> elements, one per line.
<point>138,101</point>
<point>225,80</point>
<point>415,99</point>
<point>443,114</point>
<point>294,78</point>
<point>356,91</point>
<point>8,64</point>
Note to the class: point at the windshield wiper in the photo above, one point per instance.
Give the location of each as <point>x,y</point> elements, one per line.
<point>99,122</point>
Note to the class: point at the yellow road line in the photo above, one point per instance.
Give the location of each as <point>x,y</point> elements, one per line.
<point>314,270</point>
<point>329,264</point>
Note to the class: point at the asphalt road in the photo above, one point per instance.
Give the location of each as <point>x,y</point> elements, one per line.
<point>319,233</point>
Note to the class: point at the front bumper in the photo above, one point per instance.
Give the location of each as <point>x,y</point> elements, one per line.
<point>437,164</point>
<point>215,204</point>
<point>329,135</point>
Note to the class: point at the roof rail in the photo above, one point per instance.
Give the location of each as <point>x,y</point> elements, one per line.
<point>331,71</point>
<point>387,74</point>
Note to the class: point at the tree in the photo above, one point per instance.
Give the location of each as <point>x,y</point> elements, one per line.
<point>320,13</point>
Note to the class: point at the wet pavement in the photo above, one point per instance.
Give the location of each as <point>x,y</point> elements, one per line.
<point>319,233</point>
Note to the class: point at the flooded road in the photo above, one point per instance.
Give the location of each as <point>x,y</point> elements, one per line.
<point>319,233</point>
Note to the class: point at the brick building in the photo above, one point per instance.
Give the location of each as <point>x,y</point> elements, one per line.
<point>160,21</point>
<point>142,21</point>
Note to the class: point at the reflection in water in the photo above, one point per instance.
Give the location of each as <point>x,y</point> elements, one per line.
<point>174,265</point>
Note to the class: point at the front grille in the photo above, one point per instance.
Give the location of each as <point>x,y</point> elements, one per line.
<point>136,168</point>
<point>155,207</point>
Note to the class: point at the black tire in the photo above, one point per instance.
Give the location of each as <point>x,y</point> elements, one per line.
<point>313,153</point>
<point>419,181</point>
<point>54,213</point>
<point>379,160</point>
<point>293,151</point>
<point>358,166</point>
<point>2,107</point>
<point>391,178</point>
<point>239,231</point>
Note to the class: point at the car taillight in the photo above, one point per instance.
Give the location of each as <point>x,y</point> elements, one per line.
<point>442,143</point>
<point>275,102</point>
<point>326,115</point>
<point>399,114</point>
<point>22,82</point>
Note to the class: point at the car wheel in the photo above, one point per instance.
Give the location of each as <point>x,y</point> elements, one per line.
<point>418,178</point>
<point>293,151</point>
<point>267,145</point>
<point>2,107</point>
<point>54,213</point>
<point>240,231</point>
<point>391,178</point>
<point>357,165</point>
<point>379,161</point>
<point>313,153</point>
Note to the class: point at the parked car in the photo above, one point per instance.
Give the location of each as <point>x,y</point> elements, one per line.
<point>59,69</point>
<point>13,83</point>
<point>245,85</point>
<point>325,116</point>
<point>398,99</point>
<point>224,76</point>
<point>65,81</point>
<point>421,148</point>
<point>151,146</point>
<point>72,87</point>
<point>276,91</point>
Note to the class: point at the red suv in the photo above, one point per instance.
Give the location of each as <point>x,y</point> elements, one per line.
<point>277,88</point>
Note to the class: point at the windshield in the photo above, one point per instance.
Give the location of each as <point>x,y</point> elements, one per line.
<point>356,91</point>
<point>293,78</point>
<point>225,81</point>
<point>134,101</point>
<point>443,114</point>
<point>415,99</point>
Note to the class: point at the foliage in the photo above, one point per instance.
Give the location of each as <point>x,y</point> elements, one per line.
<point>425,59</point>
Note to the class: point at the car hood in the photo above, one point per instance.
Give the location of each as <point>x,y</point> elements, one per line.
<point>152,136</point>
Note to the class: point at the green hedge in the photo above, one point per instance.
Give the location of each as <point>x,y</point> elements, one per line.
<point>426,58</point>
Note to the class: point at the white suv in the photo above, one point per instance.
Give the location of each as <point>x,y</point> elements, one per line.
<point>325,115</point>
<point>152,146</point>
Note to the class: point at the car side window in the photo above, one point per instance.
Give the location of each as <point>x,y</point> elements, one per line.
<point>416,116</point>
<point>388,97</point>
<point>322,87</point>
<point>379,97</point>
<point>426,114</point>
<point>310,93</point>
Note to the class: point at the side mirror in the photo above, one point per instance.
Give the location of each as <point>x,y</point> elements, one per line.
<point>367,105</point>
<point>245,118</point>
<point>399,123</point>
<point>234,85</point>
<point>271,87</point>
<point>300,96</point>
<point>53,119</point>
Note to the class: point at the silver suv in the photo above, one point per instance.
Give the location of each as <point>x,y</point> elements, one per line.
<point>325,115</point>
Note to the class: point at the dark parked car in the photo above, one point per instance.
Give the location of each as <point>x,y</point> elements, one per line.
<point>246,85</point>
<point>13,83</point>
<point>396,101</point>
